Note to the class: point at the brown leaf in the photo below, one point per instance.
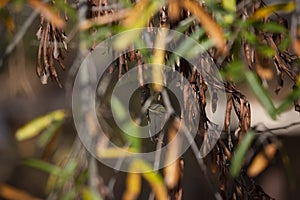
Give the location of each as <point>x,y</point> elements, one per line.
<point>210,26</point>
<point>48,12</point>
<point>263,67</point>
<point>174,10</point>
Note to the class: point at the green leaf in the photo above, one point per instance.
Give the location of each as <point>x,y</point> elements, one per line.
<point>43,166</point>
<point>250,37</point>
<point>272,27</point>
<point>48,134</point>
<point>261,94</point>
<point>130,129</point>
<point>266,51</point>
<point>288,101</point>
<point>240,153</point>
<point>34,127</point>
<point>234,71</point>
<point>152,177</point>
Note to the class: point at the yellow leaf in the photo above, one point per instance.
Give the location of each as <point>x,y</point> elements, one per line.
<point>34,127</point>
<point>48,13</point>
<point>9,192</point>
<point>159,60</point>
<point>267,11</point>
<point>171,171</point>
<point>210,26</point>
<point>137,18</point>
<point>261,160</point>
<point>133,186</point>
<point>152,177</point>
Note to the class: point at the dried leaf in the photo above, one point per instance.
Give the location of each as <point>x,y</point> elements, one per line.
<point>48,13</point>
<point>174,10</point>
<point>261,160</point>
<point>211,27</point>
<point>263,67</point>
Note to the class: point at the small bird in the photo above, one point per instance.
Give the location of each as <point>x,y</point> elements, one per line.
<point>145,94</point>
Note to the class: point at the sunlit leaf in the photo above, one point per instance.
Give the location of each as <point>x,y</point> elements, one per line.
<point>133,186</point>
<point>261,94</point>
<point>34,127</point>
<point>229,5</point>
<point>240,153</point>
<point>10,192</point>
<point>211,27</point>
<point>159,60</point>
<point>115,152</point>
<point>48,13</point>
<point>137,18</point>
<point>152,177</point>
<point>268,10</point>
<point>261,160</point>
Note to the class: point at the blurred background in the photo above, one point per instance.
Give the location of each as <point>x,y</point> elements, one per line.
<point>23,98</point>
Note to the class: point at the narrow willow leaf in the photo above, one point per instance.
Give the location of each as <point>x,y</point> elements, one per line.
<point>48,134</point>
<point>240,153</point>
<point>159,60</point>
<point>261,94</point>
<point>288,101</point>
<point>133,186</point>
<point>211,27</point>
<point>261,160</point>
<point>34,127</point>
<point>44,166</point>
<point>268,10</point>
<point>129,127</point>
<point>137,18</point>
<point>272,27</point>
